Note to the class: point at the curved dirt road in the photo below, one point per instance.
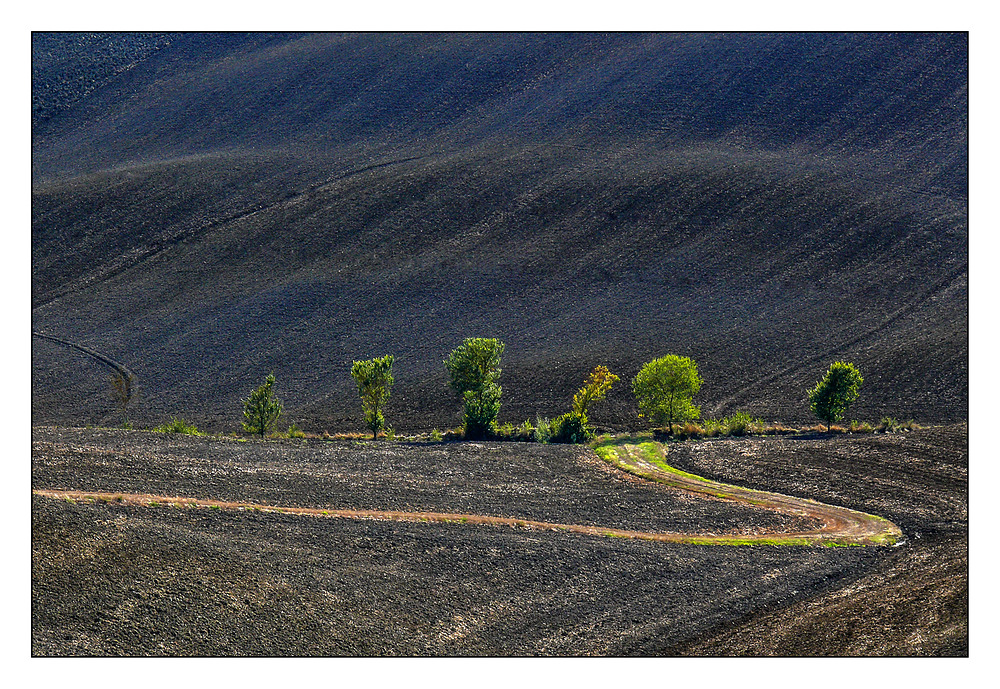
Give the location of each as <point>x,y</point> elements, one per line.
<point>841,526</point>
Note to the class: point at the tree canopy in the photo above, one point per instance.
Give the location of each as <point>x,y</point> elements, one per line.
<point>474,368</point>
<point>832,395</point>
<point>664,388</point>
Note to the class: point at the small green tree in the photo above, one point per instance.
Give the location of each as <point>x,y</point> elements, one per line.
<point>832,396</point>
<point>124,388</point>
<point>261,409</point>
<point>474,368</point>
<point>664,388</point>
<point>374,379</point>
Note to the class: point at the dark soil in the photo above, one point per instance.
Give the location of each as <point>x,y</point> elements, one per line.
<point>111,579</point>
<point>232,205</point>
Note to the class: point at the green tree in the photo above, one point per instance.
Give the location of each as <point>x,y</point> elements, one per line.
<point>832,396</point>
<point>261,409</point>
<point>374,379</point>
<point>474,368</point>
<point>664,388</point>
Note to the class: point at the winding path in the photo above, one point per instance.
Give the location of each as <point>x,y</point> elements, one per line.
<point>841,526</point>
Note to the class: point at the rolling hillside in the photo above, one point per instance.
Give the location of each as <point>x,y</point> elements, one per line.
<point>207,208</point>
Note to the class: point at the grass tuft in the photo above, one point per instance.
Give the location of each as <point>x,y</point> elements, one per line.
<point>177,425</point>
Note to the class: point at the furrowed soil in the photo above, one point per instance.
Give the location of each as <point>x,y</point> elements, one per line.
<point>123,579</point>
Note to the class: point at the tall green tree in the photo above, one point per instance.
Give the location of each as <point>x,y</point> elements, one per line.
<point>664,389</point>
<point>832,395</point>
<point>374,379</point>
<point>261,409</point>
<point>474,369</point>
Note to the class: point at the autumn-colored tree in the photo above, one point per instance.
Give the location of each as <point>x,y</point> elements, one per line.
<point>572,427</point>
<point>595,389</point>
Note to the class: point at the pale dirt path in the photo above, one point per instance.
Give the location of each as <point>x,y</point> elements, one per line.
<point>841,526</point>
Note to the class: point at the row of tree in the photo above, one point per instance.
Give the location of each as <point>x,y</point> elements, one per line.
<point>664,389</point>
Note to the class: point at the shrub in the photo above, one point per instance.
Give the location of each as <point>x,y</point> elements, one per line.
<point>261,409</point>
<point>832,395</point>
<point>713,428</point>
<point>664,388</point>
<point>888,424</point>
<point>295,432</point>
<point>741,423</point>
<point>861,427</point>
<point>526,430</point>
<point>543,430</point>
<point>374,379</point>
<point>891,425</point>
<point>570,428</point>
<point>688,430</point>
<point>176,425</point>
<point>474,368</point>
<point>436,436</point>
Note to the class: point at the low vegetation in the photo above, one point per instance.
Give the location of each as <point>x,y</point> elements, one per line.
<point>178,425</point>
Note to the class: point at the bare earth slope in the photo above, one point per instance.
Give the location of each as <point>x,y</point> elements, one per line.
<point>122,579</point>
<point>208,208</point>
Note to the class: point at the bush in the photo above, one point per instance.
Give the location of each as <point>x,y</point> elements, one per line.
<point>861,427</point>
<point>295,432</point>
<point>543,430</point>
<point>891,425</point>
<point>261,409</point>
<point>688,430</point>
<point>176,425</point>
<point>526,430</point>
<point>713,428</point>
<point>741,423</point>
<point>570,428</point>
